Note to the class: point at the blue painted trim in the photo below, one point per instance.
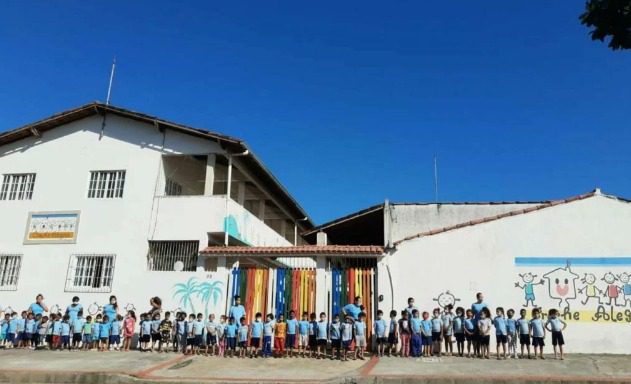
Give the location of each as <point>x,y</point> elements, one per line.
<point>574,261</point>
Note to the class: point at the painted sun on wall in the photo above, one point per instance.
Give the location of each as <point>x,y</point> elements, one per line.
<point>601,284</point>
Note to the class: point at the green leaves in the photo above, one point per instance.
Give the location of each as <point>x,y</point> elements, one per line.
<point>609,18</point>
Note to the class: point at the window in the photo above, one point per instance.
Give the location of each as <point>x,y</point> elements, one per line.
<point>106,184</point>
<point>9,271</point>
<point>163,255</point>
<point>17,186</point>
<point>171,188</point>
<point>90,273</point>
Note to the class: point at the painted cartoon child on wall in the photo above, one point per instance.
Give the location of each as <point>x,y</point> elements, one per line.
<point>625,288</point>
<point>612,291</point>
<point>590,289</point>
<point>528,287</point>
<point>561,285</point>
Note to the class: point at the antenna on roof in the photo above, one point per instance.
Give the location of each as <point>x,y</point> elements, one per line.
<point>435,179</point>
<point>109,88</point>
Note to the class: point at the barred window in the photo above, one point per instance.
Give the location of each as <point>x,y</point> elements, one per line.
<point>163,255</point>
<point>171,188</point>
<point>90,273</point>
<point>106,184</point>
<point>17,186</point>
<point>9,271</point>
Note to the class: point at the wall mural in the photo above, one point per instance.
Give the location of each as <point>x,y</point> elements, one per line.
<point>593,289</point>
<point>193,292</point>
<point>446,298</point>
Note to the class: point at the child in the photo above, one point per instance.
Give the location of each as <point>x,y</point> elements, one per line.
<point>437,332</point>
<point>87,333</point>
<point>29,330</point>
<point>537,332</point>
<point>4,331</point>
<point>393,334</point>
<point>556,326</point>
<point>198,332</point>
<point>104,333</point>
<point>221,333</point>
<point>96,331</point>
<point>115,333</point>
<point>469,330</point>
<point>77,329</point>
<point>190,334</point>
<point>166,328</point>
<point>313,330</point>
<point>458,326</point>
<point>426,331</point>
<point>155,330</point>
<point>179,340</point>
<point>145,332</point>
<point>484,330</point>
<point>20,335</point>
<point>243,338</point>
<point>511,328</point>
<point>335,332</point>
<point>256,332</point>
<point>65,332</point>
<point>41,324</point>
<point>379,329</point>
<point>292,328</point>
<point>129,326</point>
<point>406,332</point>
<point>49,332</point>
<point>303,329</point>
<point>347,336</point>
<point>448,323</point>
<point>211,335</point>
<point>280,333</point>
<point>231,336</point>
<point>501,332</point>
<point>360,336</point>
<point>322,336</point>
<point>416,344</point>
<point>268,334</point>
<point>523,326</point>
<point>57,332</point>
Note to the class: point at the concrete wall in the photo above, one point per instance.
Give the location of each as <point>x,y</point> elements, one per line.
<point>496,258</point>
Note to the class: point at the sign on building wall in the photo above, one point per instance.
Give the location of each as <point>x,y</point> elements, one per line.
<point>58,227</point>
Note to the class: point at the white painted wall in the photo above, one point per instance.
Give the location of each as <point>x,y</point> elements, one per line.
<point>62,159</point>
<point>482,258</point>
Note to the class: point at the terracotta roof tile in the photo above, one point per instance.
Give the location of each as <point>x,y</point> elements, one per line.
<point>296,250</point>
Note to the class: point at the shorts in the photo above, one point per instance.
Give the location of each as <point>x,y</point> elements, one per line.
<point>56,339</point>
<point>94,338</point>
<point>557,338</point>
<point>538,342</point>
<point>156,337</point>
<point>76,338</point>
<point>19,336</point>
<point>360,341</point>
<point>231,343</point>
<point>321,342</point>
<point>436,336</point>
<point>336,343</point>
<point>87,339</point>
<point>198,340</point>
<point>105,339</point>
<point>211,339</point>
<point>115,339</point>
<point>467,337</point>
<point>381,340</point>
<point>313,341</point>
<point>485,340</point>
<point>426,340</point>
<point>255,342</point>
<point>459,337</point>
<point>35,338</point>
<point>49,338</point>
<point>304,340</point>
<point>524,339</point>
<point>243,344</point>
<point>11,337</point>
<point>393,339</point>
<point>145,338</point>
<point>347,344</point>
<point>27,336</point>
<point>190,341</point>
<point>290,341</point>
<point>501,339</point>
<point>65,340</point>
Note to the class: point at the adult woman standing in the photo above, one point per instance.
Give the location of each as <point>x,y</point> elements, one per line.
<point>111,310</point>
<point>38,307</point>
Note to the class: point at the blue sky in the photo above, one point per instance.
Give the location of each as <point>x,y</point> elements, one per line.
<point>347,102</point>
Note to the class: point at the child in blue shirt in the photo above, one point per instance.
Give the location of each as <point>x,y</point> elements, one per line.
<point>57,332</point>
<point>426,332</point>
<point>155,330</point>
<point>379,328</point>
<point>268,334</point>
<point>20,334</point>
<point>198,333</point>
<point>243,338</point>
<point>447,319</point>
<point>523,327</point>
<point>96,331</point>
<point>303,328</point>
<point>360,336</point>
<point>4,329</point>
<point>322,336</point>
<point>393,333</point>
<point>556,326</point>
<point>335,332</point>
<point>347,336</point>
<point>12,331</point>
<point>469,330</point>
<point>416,342</point>
<point>313,330</point>
<point>29,330</point>
<point>104,333</point>
<point>501,332</point>
<point>115,332</point>
<point>538,332</point>
<point>65,332</point>
<point>256,333</point>
<point>437,332</point>
<point>458,326</point>
<point>77,329</point>
<point>511,328</point>
<point>231,336</point>
<point>292,329</point>
<point>179,341</point>
<point>145,333</point>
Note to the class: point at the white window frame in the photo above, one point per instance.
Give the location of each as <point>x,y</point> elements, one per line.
<point>10,265</point>
<point>163,254</point>
<point>87,274</point>
<point>17,186</point>
<point>106,184</point>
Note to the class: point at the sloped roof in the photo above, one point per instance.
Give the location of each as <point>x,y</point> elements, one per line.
<point>229,143</point>
<point>517,212</point>
<point>299,250</point>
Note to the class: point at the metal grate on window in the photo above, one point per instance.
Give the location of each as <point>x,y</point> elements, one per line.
<point>9,271</point>
<point>171,188</point>
<point>90,273</point>
<point>163,255</point>
<point>17,186</point>
<point>106,184</point>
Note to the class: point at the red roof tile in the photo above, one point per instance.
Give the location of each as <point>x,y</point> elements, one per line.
<point>296,250</point>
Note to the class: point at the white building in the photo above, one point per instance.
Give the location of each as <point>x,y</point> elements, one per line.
<point>100,200</point>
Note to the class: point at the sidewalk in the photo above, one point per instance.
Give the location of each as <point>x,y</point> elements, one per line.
<point>135,367</point>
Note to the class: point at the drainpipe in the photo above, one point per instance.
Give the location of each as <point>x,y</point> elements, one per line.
<point>296,229</point>
<point>228,190</point>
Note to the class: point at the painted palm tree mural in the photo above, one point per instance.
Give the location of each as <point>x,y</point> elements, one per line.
<point>192,289</point>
